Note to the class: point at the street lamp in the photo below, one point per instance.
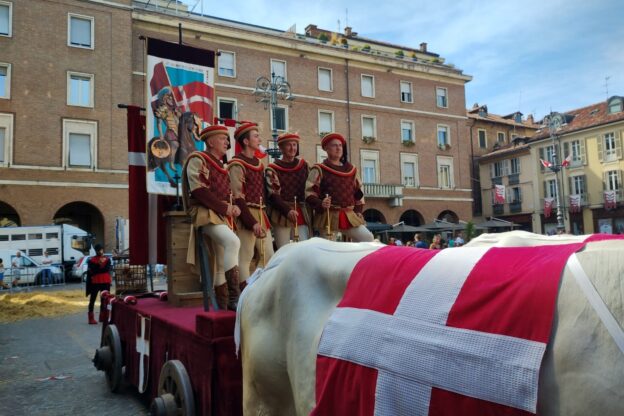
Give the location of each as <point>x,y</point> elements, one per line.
<point>269,92</point>
<point>555,121</point>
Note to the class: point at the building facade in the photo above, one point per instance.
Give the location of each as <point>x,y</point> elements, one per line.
<point>64,141</point>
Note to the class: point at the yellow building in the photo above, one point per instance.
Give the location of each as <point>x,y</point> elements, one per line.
<point>589,139</point>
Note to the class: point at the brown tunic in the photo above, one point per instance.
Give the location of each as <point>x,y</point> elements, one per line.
<point>247,182</point>
<point>285,181</point>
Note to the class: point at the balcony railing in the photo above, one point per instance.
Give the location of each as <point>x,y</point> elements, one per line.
<point>515,206</point>
<point>514,179</point>
<point>394,193</point>
<point>498,209</point>
<point>497,180</point>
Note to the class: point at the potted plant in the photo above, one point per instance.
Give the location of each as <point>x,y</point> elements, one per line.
<point>413,56</point>
<point>407,143</point>
<point>368,139</point>
<point>366,48</point>
<point>399,54</point>
<point>323,38</point>
<point>344,43</point>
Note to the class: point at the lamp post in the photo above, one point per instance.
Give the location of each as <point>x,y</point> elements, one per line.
<point>269,92</point>
<point>555,121</point>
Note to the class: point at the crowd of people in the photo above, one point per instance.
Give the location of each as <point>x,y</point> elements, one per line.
<point>437,242</point>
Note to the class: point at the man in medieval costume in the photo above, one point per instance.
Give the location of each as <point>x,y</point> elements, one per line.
<point>334,191</point>
<point>208,200</point>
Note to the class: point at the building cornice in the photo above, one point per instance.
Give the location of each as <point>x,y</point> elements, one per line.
<point>64,184</point>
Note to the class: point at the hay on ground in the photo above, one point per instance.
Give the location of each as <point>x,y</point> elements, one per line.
<point>17,306</point>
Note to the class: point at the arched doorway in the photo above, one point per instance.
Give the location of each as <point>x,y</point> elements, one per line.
<point>82,215</point>
<point>448,216</point>
<point>412,217</point>
<point>9,216</point>
<point>373,215</point>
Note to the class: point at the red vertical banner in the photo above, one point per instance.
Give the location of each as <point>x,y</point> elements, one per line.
<point>137,189</point>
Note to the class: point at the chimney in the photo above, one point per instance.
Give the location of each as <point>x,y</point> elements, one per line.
<point>423,47</point>
<point>311,30</point>
<point>348,31</point>
<point>530,119</point>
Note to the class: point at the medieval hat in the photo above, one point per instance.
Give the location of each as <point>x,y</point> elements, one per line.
<point>210,131</point>
<point>287,137</point>
<point>245,127</point>
<point>331,136</point>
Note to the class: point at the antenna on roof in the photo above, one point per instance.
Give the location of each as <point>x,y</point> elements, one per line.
<point>338,26</point>
<point>346,17</point>
<point>606,84</point>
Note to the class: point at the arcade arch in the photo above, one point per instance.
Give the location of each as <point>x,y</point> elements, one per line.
<point>448,216</point>
<point>9,216</point>
<point>373,215</point>
<point>82,215</point>
<point>412,217</point>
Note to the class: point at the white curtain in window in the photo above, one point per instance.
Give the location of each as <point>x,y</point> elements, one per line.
<point>367,86</point>
<point>408,174</point>
<point>2,144</point>
<point>80,90</point>
<point>4,19</point>
<point>368,127</point>
<point>278,68</point>
<point>80,31</point>
<point>79,149</point>
<point>369,171</point>
<point>324,79</point>
<point>325,122</point>
<point>406,92</point>
<point>226,64</point>
<point>406,131</point>
<point>445,176</point>
<point>3,81</point>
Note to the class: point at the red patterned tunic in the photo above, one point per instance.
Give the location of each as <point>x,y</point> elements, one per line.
<point>285,181</point>
<point>247,182</point>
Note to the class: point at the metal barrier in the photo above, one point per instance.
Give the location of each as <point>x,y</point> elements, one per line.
<point>31,277</point>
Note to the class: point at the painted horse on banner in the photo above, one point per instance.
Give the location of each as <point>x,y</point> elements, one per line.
<point>284,313</point>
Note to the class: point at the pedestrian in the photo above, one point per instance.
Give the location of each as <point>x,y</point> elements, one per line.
<point>46,271</point>
<point>208,200</point>
<point>436,244</point>
<point>392,241</point>
<point>286,179</point>
<point>2,284</point>
<point>248,188</point>
<point>17,264</point>
<point>334,191</point>
<point>98,280</point>
<point>419,243</point>
<point>459,240</point>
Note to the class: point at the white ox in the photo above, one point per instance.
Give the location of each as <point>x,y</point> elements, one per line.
<point>284,312</point>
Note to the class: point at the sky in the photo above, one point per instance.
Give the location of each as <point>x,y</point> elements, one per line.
<point>535,56</point>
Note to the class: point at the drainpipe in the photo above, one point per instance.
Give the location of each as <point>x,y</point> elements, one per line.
<point>473,181</point>
<point>348,106</point>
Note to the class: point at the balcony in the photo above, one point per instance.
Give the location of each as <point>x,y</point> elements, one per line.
<point>514,179</point>
<point>497,181</point>
<point>394,193</point>
<point>515,206</point>
<point>498,209</point>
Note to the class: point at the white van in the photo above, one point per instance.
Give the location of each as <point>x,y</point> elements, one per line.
<point>31,273</point>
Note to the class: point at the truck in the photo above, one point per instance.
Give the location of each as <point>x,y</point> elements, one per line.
<point>64,243</point>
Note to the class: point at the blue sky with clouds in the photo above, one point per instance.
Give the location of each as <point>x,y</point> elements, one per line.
<point>533,56</point>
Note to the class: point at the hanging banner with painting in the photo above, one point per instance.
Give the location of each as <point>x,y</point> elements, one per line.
<point>180,97</point>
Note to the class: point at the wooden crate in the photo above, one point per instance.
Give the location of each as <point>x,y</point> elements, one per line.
<point>183,284</point>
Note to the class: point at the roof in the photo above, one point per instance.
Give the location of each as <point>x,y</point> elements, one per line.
<point>495,118</point>
<point>583,118</point>
<point>505,150</point>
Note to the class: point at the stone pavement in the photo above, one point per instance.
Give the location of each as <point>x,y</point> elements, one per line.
<point>33,350</point>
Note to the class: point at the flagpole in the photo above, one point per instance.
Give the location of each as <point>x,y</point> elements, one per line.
<point>555,121</point>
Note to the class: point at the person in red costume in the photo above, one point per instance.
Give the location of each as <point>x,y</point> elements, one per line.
<point>247,182</point>
<point>286,178</point>
<point>334,191</point>
<point>98,280</point>
<point>208,200</point>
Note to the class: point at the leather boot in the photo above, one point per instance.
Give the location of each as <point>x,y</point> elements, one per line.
<point>242,285</point>
<point>232,278</point>
<point>92,320</point>
<point>221,293</point>
<point>103,316</point>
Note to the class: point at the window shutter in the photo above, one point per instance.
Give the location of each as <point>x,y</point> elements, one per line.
<point>492,170</point>
<point>582,151</point>
<point>566,150</point>
<point>545,183</point>
<point>618,144</point>
<point>584,184</point>
<point>571,185</point>
<point>599,142</point>
<point>619,180</point>
<point>605,178</point>
<point>541,156</point>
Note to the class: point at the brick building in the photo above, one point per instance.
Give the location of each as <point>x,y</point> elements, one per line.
<point>402,109</point>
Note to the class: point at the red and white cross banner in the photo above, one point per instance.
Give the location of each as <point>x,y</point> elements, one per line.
<point>609,198</point>
<point>143,331</point>
<point>575,203</point>
<point>548,204</point>
<point>458,331</point>
<point>499,194</point>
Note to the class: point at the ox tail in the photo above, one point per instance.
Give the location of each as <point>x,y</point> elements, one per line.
<point>239,309</point>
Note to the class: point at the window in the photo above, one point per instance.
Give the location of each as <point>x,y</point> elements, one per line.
<point>498,169</point>
<point>321,154</point>
<point>80,89</point>
<point>615,103</point>
<point>325,79</point>
<point>500,137</point>
<point>370,166</point>
<point>515,166</point>
<point>227,64</point>
<point>280,119</point>
<point>575,149</point>
<point>6,18</point>
<point>407,131</point>
<point>326,122</point>
<point>550,188</point>
<point>227,108</point>
<point>6,138</point>
<point>445,172</point>
<point>5,80</point>
<point>577,185</point>
<point>441,97</point>
<point>409,170</point>
<point>80,31</point>
<point>482,139</point>
<point>546,153</point>
<point>368,128</point>
<point>609,147</point>
<point>515,195</point>
<point>278,68</point>
<point>443,136</point>
<point>612,180</point>
<point>79,143</point>
<point>406,92</point>
<point>368,86</point>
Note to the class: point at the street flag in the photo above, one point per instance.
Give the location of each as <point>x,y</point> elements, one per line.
<point>610,201</point>
<point>575,203</point>
<point>499,194</point>
<point>548,203</point>
<point>180,100</point>
<point>566,162</point>
<point>424,340</point>
<point>545,163</point>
